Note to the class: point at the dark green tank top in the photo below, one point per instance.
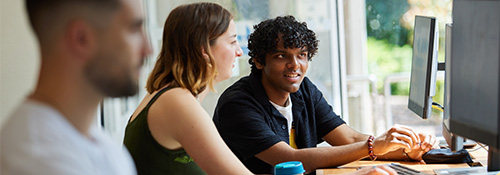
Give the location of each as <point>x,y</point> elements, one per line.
<point>149,156</point>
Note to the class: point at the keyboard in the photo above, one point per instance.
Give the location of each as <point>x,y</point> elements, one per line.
<point>403,170</point>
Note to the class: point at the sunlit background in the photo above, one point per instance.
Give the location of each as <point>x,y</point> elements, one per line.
<point>362,66</point>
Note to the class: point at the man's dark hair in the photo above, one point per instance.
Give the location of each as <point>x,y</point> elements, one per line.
<point>44,14</point>
<point>293,33</point>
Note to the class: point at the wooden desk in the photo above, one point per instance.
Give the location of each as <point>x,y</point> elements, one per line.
<point>479,155</point>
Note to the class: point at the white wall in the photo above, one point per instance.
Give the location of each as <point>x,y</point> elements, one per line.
<point>19,63</point>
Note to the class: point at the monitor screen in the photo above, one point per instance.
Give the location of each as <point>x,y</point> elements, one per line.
<point>423,66</point>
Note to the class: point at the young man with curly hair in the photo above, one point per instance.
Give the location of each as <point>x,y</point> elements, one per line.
<point>277,114</point>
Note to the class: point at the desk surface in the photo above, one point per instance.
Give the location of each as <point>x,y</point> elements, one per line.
<point>479,155</point>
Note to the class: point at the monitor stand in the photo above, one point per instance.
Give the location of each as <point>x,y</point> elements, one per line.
<point>493,159</point>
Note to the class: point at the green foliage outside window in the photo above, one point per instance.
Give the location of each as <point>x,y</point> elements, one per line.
<point>390,38</point>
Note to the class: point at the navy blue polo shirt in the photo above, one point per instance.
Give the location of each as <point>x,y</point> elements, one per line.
<point>250,124</point>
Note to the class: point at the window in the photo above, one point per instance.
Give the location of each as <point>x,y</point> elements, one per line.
<point>385,60</point>
<point>325,70</point>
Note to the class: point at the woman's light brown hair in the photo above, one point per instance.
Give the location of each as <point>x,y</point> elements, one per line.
<point>189,30</point>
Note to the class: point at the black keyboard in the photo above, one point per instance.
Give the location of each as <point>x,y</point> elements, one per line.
<point>403,170</point>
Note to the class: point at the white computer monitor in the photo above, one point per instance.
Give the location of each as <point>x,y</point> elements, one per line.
<point>423,66</point>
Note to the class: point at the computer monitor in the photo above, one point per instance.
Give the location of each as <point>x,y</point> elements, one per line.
<point>423,66</point>
<point>423,74</point>
<point>454,141</point>
<point>475,74</point>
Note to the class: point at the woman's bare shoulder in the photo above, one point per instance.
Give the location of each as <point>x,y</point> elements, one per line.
<point>175,102</point>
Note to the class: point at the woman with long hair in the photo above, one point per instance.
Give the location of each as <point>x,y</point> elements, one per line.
<point>170,132</point>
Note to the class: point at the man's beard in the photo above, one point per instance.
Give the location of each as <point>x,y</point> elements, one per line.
<point>110,78</point>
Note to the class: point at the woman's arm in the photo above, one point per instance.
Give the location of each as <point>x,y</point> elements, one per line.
<point>178,117</point>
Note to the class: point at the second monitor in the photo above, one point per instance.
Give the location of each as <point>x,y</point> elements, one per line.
<point>423,75</point>
<point>423,66</point>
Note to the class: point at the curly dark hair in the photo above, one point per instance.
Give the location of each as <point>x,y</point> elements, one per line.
<point>293,33</point>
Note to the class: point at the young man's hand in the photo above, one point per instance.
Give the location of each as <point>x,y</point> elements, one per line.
<point>395,138</point>
<point>427,143</point>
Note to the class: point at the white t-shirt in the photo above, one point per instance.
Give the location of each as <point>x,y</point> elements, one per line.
<point>37,139</point>
<point>285,111</point>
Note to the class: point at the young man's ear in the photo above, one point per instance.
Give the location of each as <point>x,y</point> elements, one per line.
<point>258,63</point>
<point>80,38</point>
